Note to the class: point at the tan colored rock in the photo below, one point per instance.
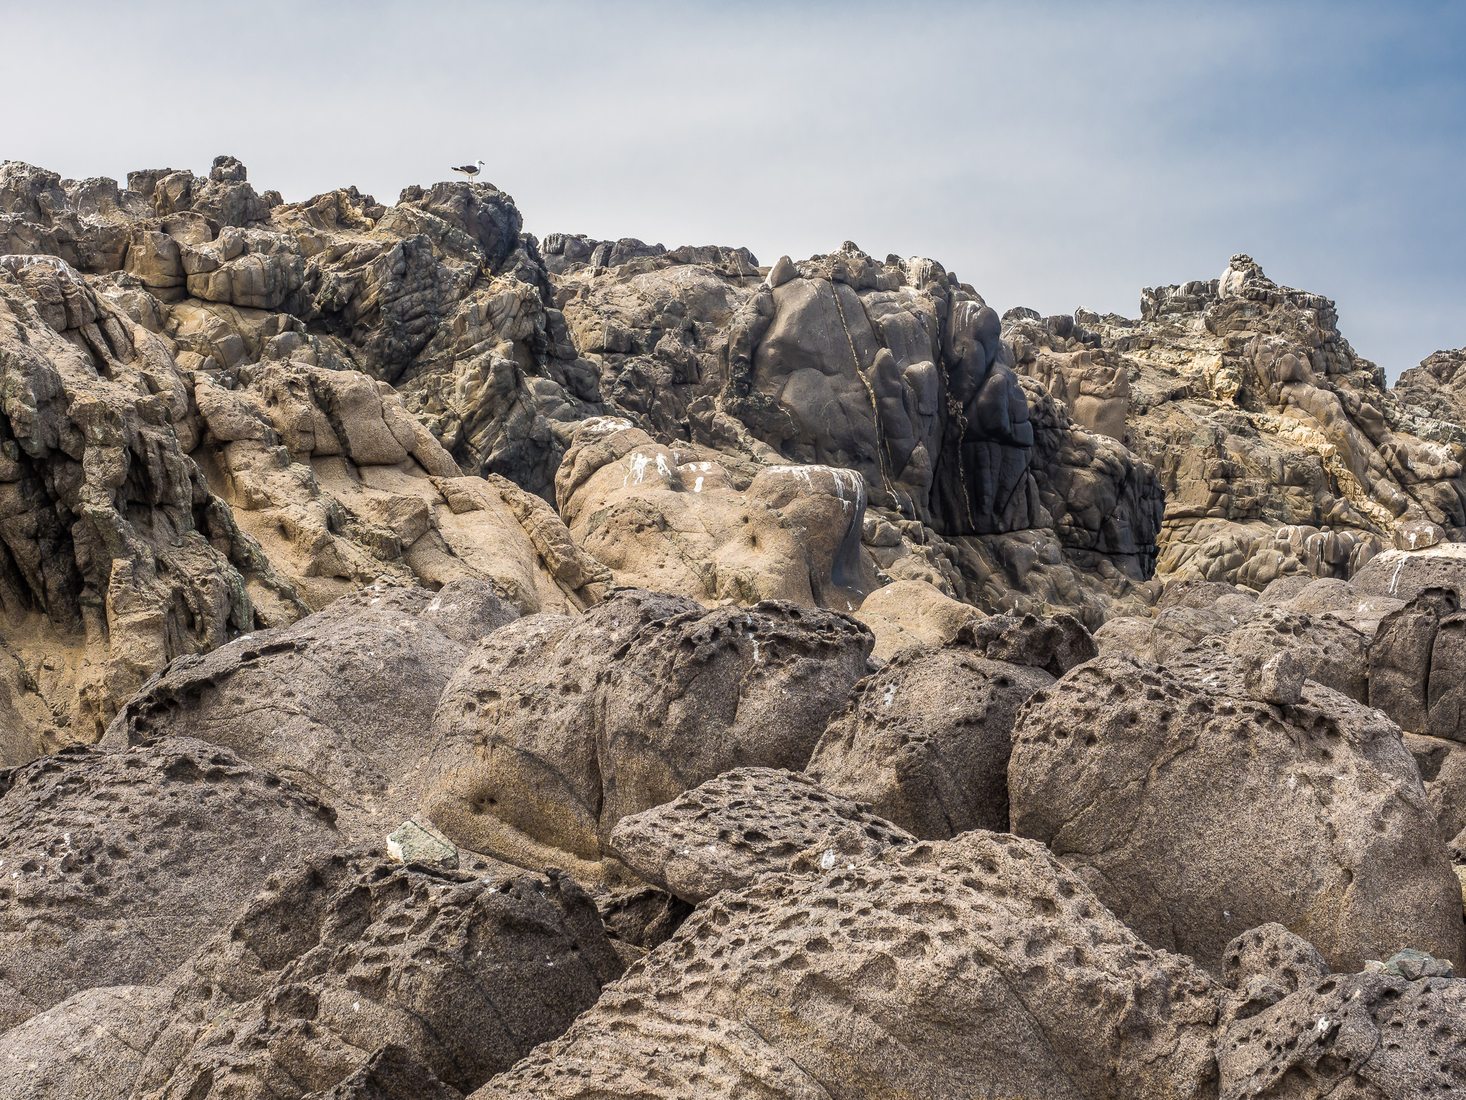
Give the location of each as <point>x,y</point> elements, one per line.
<point>1281,451</point>
<point>671,519</point>
<point>908,614</point>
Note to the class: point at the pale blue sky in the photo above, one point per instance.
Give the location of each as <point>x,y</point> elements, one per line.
<point>1054,155</point>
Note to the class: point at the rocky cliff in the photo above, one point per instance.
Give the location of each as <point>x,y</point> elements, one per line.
<point>438,663</point>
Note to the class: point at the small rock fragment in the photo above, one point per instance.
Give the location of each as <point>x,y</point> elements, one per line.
<point>417,841</point>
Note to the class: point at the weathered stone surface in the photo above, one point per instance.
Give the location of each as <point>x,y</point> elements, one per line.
<point>925,741</point>
<point>1436,388</point>
<point>1404,574</point>
<point>672,518</point>
<point>1350,1035</point>
<point>1279,449</point>
<point>927,412</point>
<point>1055,644</point>
<point>1417,665</point>
<point>554,729</point>
<point>1442,767</point>
<point>725,833</point>
<point>1186,612</point>
<point>182,477</point>
<point>91,1046</point>
<point>1194,811</point>
<point>1277,679</point>
<point>341,702</point>
<point>976,966</point>
<point>1327,650</point>
<point>390,1074</point>
<point>910,614</point>
<point>117,554</point>
<point>462,972</point>
<point>1268,962</point>
<point>1331,597</point>
<point>118,866</point>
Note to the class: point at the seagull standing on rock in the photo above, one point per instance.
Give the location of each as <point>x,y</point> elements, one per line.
<point>469,170</point>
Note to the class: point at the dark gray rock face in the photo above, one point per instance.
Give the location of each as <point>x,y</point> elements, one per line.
<point>1194,810</point>
<point>391,1074</point>
<point>933,415</point>
<point>461,973</point>
<point>117,867</point>
<point>894,370</point>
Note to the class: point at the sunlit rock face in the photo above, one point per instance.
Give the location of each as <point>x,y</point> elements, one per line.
<point>1279,449</point>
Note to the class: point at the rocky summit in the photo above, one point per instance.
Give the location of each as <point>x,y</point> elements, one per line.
<point>441,662</point>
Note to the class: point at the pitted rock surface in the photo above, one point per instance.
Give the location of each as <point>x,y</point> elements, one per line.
<point>118,866</point>
<point>1330,652</point>
<point>925,741</point>
<point>462,972</point>
<point>1365,1035</point>
<point>692,696</point>
<point>1054,645</point>
<point>1194,810</point>
<point>554,729</point>
<point>976,966</point>
<point>725,833</point>
<point>1271,955</point>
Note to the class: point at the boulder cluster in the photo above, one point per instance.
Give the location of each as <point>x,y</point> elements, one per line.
<point>437,663</point>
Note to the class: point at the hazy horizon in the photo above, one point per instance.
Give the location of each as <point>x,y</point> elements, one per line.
<point>1055,156</point>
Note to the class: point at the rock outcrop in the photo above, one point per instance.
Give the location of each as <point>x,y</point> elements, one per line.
<point>191,447</point>
<point>461,973</point>
<point>1278,448</point>
<point>725,833</point>
<point>926,740</point>
<point>555,728</point>
<point>348,973</point>
<point>340,702</point>
<point>857,980</point>
<point>1193,810</point>
<point>591,668</point>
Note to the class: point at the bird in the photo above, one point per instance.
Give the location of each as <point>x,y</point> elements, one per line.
<point>469,170</point>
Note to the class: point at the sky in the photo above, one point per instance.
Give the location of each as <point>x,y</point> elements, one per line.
<point>1054,155</point>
